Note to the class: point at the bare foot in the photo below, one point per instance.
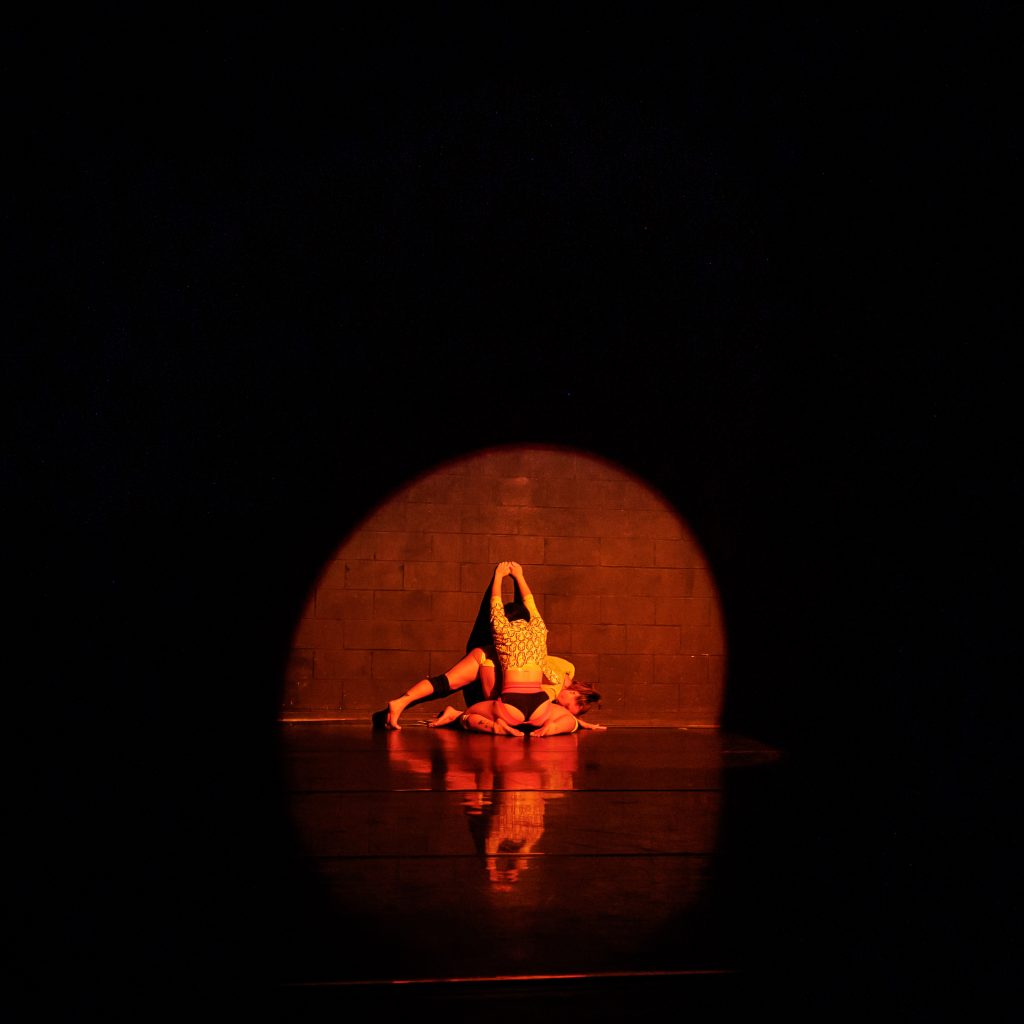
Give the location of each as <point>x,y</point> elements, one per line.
<point>502,728</point>
<point>445,717</point>
<point>394,713</point>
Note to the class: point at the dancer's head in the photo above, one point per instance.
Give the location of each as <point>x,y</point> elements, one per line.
<point>516,610</point>
<point>578,698</point>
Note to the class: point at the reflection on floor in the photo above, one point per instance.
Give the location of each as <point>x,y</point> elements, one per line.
<point>459,863</point>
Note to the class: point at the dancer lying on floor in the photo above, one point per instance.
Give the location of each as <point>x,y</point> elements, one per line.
<point>576,697</point>
<point>478,676</point>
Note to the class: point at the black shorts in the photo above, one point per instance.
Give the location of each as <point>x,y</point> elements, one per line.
<point>527,703</point>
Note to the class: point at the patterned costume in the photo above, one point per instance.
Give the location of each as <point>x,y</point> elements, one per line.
<point>555,671</point>
<point>482,636</point>
<point>519,644</point>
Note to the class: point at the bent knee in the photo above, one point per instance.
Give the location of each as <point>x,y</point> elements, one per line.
<point>547,714</point>
<point>483,658</point>
<point>510,714</point>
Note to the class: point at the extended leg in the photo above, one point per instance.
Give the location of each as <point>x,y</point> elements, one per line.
<point>458,676</point>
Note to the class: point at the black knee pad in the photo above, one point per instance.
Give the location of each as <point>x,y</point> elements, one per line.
<point>441,685</point>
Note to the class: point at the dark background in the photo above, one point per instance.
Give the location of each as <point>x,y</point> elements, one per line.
<point>265,271</point>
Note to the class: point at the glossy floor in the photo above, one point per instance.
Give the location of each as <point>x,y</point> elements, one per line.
<point>458,862</point>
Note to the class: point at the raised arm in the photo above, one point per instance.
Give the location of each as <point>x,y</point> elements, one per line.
<point>501,570</point>
<point>516,572</point>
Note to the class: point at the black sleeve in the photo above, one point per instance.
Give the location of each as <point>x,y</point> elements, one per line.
<point>480,635</point>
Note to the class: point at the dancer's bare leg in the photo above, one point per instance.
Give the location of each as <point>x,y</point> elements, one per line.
<point>488,676</point>
<point>424,688</point>
<point>483,717</point>
<point>445,717</point>
<point>474,722</point>
<point>459,675</point>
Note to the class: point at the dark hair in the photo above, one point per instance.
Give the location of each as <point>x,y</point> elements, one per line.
<point>588,697</point>
<point>516,610</point>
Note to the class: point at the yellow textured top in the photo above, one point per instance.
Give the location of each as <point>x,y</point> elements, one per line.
<point>519,645</point>
<point>555,671</point>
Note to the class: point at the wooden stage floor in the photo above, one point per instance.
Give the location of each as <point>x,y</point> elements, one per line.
<point>595,869</point>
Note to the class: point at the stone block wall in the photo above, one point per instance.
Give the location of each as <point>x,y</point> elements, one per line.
<point>621,581</point>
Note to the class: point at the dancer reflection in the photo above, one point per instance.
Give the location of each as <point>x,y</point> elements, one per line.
<point>523,638</point>
<point>508,833</point>
<point>507,788</point>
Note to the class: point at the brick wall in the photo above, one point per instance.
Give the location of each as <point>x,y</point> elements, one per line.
<point>621,581</point>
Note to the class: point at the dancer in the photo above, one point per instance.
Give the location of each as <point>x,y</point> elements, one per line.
<point>479,678</point>
<point>576,697</point>
<point>522,708</point>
